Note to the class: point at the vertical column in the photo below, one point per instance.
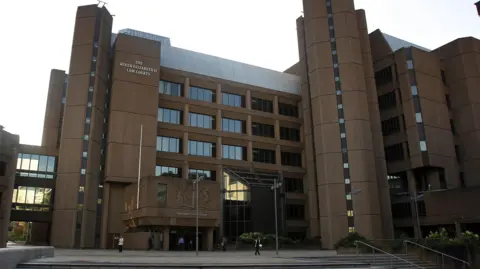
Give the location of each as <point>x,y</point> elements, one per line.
<point>185,143</point>
<point>186,111</point>
<point>219,120</point>
<point>186,88</point>
<point>219,148</point>
<point>248,99</point>
<point>210,239</point>
<point>80,148</point>
<point>277,129</point>
<point>375,126</point>
<point>249,125</point>
<point>219,94</point>
<point>185,168</point>
<point>278,155</point>
<point>166,238</point>
<point>275,105</point>
<point>250,151</point>
<point>104,230</point>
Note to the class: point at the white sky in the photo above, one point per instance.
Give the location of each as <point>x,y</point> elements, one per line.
<point>37,37</point>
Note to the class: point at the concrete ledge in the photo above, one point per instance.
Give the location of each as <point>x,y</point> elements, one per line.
<point>10,257</point>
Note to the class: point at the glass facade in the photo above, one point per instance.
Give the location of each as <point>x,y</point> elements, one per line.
<point>169,115</point>
<point>230,99</point>
<point>200,148</point>
<point>206,174</point>
<point>237,217</point>
<point>201,94</point>
<point>168,144</point>
<point>233,152</point>
<point>201,120</point>
<point>37,166</point>
<point>168,171</point>
<point>231,125</point>
<point>170,88</point>
<point>31,198</point>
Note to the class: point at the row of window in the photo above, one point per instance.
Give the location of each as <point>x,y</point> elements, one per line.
<point>173,116</point>
<point>170,171</point>
<point>32,195</point>
<point>229,99</point>
<point>208,149</point>
<point>37,163</point>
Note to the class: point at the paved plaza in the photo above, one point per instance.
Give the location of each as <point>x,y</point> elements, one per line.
<point>230,259</point>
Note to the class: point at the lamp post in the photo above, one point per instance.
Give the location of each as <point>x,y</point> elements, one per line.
<point>196,182</point>
<point>139,165</point>
<point>274,187</point>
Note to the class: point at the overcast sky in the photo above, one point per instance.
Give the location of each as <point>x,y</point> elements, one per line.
<point>37,37</point>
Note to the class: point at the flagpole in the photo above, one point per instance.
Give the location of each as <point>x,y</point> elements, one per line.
<point>139,165</point>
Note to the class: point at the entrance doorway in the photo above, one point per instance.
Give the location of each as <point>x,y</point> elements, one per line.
<point>188,234</point>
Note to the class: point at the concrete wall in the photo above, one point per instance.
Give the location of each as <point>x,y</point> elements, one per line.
<point>12,256</point>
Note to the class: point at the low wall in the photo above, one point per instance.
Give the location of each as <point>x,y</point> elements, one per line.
<point>11,256</point>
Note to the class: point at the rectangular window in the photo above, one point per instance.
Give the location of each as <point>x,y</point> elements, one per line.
<point>234,126</point>
<point>168,171</point>
<point>202,174</point>
<point>230,99</point>
<point>294,185</point>
<point>3,169</point>
<point>291,134</point>
<point>168,144</point>
<point>418,117</point>
<point>201,121</point>
<point>288,110</point>
<point>423,146</point>
<point>383,76</point>
<point>161,192</point>
<point>262,105</point>
<point>291,159</point>
<point>263,156</point>
<point>295,212</point>
<point>410,64</point>
<point>394,153</point>
<point>200,148</point>
<point>201,94</point>
<point>233,152</point>
<point>169,115</point>
<point>388,100</point>
<point>170,88</point>
<point>261,129</point>
<point>391,126</point>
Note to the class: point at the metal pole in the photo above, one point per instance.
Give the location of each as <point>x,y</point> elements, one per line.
<point>418,217</point>
<point>276,219</point>
<point>196,198</point>
<point>139,165</point>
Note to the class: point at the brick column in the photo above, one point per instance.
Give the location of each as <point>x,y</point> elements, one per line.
<point>186,87</point>
<point>219,148</point>
<point>185,168</point>
<point>275,105</point>
<point>278,155</point>
<point>219,120</point>
<point>250,152</point>
<point>185,143</point>
<point>249,125</point>
<point>185,114</point>
<point>277,129</point>
<point>248,99</point>
<point>219,94</point>
<point>166,239</point>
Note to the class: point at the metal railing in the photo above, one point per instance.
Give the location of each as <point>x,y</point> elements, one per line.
<point>391,256</point>
<point>465,264</point>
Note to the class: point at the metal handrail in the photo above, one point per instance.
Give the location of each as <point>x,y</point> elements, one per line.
<point>465,263</point>
<point>384,252</point>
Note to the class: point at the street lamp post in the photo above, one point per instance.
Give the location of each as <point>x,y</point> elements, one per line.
<point>274,187</point>
<point>196,182</point>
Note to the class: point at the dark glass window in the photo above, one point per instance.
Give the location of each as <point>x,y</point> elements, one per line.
<point>394,153</point>
<point>200,148</point>
<point>387,101</point>
<point>201,121</point>
<point>402,210</point>
<point>230,99</point>
<point>207,174</point>
<point>168,144</point>
<point>168,171</point>
<point>288,110</point>
<point>31,195</point>
<point>295,212</point>
<point>291,134</point>
<point>294,185</point>
<point>234,126</point>
<point>291,159</point>
<point>261,129</point>
<point>383,76</point>
<point>201,94</point>
<point>170,88</point>
<point>169,115</point>
<point>262,105</point>
<point>233,152</point>
<point>161,192</point>
<point>391,126</point>
<point>263,156</point>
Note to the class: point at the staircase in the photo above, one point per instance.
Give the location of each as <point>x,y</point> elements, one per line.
<point>379,260</point>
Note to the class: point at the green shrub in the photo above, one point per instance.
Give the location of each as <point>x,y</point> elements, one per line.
<point>349,240</point>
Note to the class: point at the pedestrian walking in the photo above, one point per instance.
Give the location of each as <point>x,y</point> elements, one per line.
<point>150,242</point>
<point>120,243</point>
<point>224,244</point>
<point>181,242</point>
<point>258,245</point>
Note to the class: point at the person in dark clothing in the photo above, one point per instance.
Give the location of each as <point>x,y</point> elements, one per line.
<point>224,244</point>
<point>150,242</point>
<point>257,246</point>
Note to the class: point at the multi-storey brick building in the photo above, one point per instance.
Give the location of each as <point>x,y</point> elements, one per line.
<point>362,126</point>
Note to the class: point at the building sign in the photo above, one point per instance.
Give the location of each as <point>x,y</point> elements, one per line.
<point>200,214</point>
<point>138,68</point>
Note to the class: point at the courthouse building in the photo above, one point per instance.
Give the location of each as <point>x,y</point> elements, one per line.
<point>366,133</point>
